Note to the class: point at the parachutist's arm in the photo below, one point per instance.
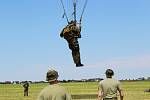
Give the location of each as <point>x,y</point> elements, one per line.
<point>61,34</point>
<point>79,35</point>
<point>79,30</point>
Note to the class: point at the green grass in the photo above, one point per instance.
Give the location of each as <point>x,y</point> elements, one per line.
<point>133,90</point>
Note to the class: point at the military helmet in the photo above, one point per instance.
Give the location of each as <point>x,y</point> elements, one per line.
<point>51,75</point>
<point>109,72</point>
<point>72,22</point>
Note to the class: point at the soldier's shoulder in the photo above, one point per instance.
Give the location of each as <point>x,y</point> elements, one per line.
<point>102,81</point>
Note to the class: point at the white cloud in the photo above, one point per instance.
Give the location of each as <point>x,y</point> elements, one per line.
<point>132,61</point>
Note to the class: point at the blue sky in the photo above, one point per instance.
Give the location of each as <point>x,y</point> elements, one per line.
<point>115,34</point>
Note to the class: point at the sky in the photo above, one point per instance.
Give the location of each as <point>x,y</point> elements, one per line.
<point>115,34</point>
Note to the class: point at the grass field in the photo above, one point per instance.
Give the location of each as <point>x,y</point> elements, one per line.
<point>133,90</point>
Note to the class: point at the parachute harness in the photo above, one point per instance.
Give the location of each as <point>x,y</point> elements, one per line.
<point>74,12</point>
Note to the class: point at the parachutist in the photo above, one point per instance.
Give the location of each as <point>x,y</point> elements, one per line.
<point>71,33</point>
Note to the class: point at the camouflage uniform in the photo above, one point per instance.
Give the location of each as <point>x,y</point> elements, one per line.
<point>71,33</point>
<point>53,91</point>
<point>26,86</point>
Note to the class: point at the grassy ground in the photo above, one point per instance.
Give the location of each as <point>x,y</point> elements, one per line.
<point>133,90</point>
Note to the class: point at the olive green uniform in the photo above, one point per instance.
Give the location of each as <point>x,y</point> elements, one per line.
<point>54,92</point>
<point>26,88</point>
<point>109,87</point>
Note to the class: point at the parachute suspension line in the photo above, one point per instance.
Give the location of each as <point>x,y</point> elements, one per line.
<point>74,13</point>
<point>64,11</point>
<point>83,10</point>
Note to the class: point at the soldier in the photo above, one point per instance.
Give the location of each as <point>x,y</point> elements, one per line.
<point>53,91</point>
<point>26,86</point>
<point>108,88</point>
<point>71,33</point>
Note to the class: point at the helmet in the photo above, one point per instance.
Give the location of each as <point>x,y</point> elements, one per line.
<point>72,22</point>
<point>51,75</point>
<point>109,72</point>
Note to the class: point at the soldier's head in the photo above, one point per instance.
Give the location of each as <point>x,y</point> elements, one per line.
<point>109,73</point>
<point>51,76</point>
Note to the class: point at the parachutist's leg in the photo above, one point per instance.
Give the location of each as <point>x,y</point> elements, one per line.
<point>71,47</point>
<point>75,53</point>
<point>78,64</point>
<point>76,57</point>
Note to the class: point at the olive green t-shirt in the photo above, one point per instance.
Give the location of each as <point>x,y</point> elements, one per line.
<point>109,87</point>
<point>54,92</point>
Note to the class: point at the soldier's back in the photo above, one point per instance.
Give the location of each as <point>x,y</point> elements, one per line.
<point>54,92</point>
<point>109,87</point>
